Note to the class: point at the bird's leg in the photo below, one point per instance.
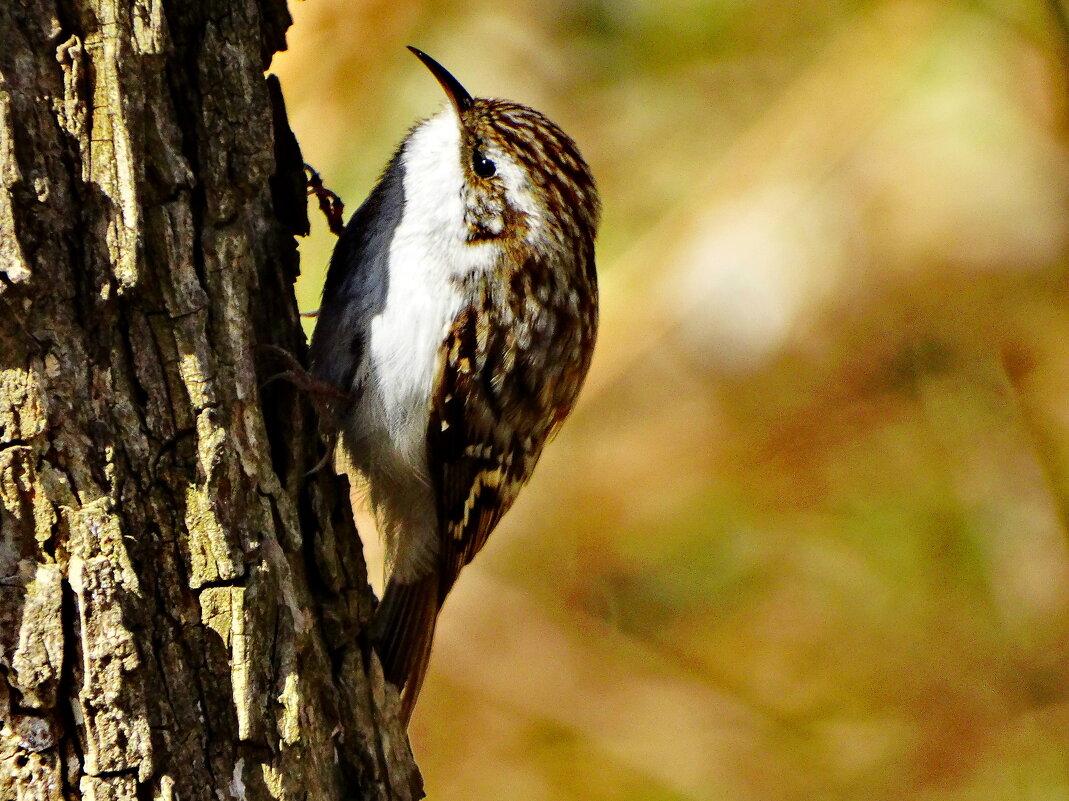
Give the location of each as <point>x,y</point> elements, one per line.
<point>296,374</point>
<point>323,395</point>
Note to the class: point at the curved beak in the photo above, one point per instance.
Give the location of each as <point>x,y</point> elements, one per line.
<point>457,94</point>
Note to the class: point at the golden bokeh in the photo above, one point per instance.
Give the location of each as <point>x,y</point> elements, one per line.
<point>805,536</point>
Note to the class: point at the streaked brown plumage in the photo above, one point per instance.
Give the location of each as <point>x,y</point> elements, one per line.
<point>508,275</point>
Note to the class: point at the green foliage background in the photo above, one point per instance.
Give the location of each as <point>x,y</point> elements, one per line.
<point>805,536</point>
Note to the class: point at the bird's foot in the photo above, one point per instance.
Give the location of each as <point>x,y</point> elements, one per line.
<point>329,203</point>
<point>297,375</point>
<point>322,394</point>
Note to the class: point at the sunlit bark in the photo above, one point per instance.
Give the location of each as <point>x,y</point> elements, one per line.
<point>180,606</point>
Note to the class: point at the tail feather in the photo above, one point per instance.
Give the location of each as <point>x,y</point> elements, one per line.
<point>404,629</point>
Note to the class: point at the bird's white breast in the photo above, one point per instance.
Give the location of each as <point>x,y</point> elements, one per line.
<point>428,250</point>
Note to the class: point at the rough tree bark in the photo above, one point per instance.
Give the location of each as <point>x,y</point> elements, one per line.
<point>180,607</point>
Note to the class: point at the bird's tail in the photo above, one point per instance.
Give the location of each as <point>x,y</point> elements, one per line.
<point>404,629</point>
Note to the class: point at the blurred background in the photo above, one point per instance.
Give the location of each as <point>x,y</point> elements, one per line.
<point>805,536</point>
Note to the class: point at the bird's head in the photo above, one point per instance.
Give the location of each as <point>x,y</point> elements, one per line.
<point>515,179</point>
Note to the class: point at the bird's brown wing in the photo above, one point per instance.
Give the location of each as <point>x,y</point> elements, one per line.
<point>479,458</point>
<point>497,399</point>
<point>477,470</point>
<point>510,369</point>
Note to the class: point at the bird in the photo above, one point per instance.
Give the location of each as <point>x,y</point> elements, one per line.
<point>458,320</point>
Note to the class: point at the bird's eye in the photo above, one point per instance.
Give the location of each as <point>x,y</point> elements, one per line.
<point>483,167</point>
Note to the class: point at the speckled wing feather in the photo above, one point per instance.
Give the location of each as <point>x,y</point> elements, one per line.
<point>477,469</point>
<point>477,464</point>
<point>511,368</point>
<point>509,371</point>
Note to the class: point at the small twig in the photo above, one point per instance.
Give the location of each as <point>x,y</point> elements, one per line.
<point>329,203</point>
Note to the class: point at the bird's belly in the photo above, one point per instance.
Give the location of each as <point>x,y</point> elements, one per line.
<point>403,347</point>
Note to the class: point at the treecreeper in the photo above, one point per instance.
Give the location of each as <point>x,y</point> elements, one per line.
<point>458,320</point>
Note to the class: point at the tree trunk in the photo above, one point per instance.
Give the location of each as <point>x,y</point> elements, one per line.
<point>181,608</point>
